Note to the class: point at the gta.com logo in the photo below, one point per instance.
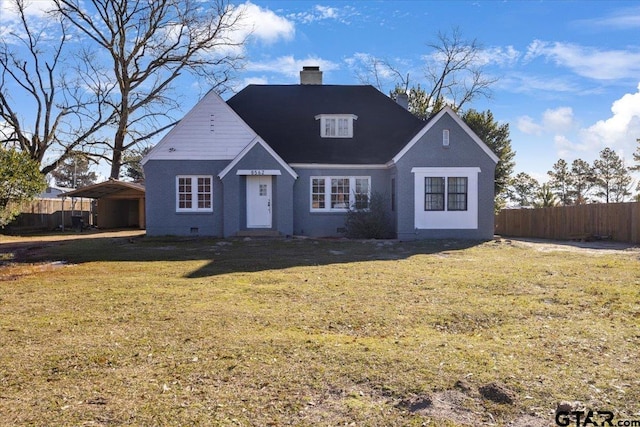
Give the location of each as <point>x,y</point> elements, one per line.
<point>591,418</point>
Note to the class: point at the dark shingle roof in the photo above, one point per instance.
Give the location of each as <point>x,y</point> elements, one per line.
<point>285,117</point>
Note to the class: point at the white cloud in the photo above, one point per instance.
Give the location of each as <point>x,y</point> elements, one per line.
<point>255,81</point>
<point>38,9</point>
<point>526,83</point>
<point>366,62</point>
<point>619,131</point>
<point>588,61</point>
<point>265,25</point>
<point>252,23</point>
<point>623,19</point>
<point>526,124</point>
<point>36,13</point>
<point>5,130</point>
<point>289,66</point>
<point>499,56</point>
<point>569,150</point>
<point>558,120</point>
<point>322,13</point>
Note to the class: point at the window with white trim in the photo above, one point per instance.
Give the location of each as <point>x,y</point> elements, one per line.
<point>456,190</point>
<point>457,193</point>
<point>362,193</point>
<point>433,193</point>
<point>194,193</point>
<point>336,125</point>
<point>445,138</point>
<point>317,193</point>
<point>339,193</point>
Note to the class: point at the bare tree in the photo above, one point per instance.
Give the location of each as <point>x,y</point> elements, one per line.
<point>146,46</point>
<point>454,75</point>
<point>42,117</point>
<point>455,72</point>
<point>379,73</point>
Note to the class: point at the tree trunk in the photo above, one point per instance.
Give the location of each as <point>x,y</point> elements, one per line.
<point>116,162</point>
<point>118,148</point>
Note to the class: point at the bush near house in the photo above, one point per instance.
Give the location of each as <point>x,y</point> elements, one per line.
<point>369,221</point>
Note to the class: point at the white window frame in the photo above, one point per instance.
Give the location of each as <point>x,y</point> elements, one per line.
<point>446,219</point>
<point>449,197</point>
<point>434,204</point>
<point>336,125</point>
<point>194,193</point>
<point>327,192</point>
<point>445,138</point>
<point>452,196</point>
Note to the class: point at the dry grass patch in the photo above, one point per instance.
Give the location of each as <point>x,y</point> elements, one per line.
<point>142,331</point>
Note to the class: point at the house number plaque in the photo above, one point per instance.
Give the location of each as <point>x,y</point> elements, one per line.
<point>258,172</point>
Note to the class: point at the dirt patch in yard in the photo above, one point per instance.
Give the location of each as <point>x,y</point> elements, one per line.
<point>22,248</point>
<point>599,247</point>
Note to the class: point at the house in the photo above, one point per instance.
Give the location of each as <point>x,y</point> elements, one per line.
<point>52,192</point>
<point>292,159</point>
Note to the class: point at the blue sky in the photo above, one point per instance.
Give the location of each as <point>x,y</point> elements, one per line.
<point>569,71</point>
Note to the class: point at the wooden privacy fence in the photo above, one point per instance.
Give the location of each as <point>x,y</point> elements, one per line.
<point>47,214</point>
<point>615,221</point>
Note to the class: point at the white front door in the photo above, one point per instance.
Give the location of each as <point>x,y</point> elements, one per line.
<point>259,201</point>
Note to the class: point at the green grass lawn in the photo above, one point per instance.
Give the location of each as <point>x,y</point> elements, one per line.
<point>175,332</point>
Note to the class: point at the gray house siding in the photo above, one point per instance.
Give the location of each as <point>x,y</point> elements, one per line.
<point>392,191</point>
<point>429,152</point>
<point>329,224</point>
<point>235,194</point>
<point>162,218</point>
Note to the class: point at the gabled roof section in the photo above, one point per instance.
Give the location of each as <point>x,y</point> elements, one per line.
<point>460,122</point>
<point>285,117</point>
<point>247,149</point>
<point>209,131</point>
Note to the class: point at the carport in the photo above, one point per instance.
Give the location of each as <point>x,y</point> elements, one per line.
<point>120,204</point>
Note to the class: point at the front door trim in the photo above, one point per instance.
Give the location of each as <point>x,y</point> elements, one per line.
<point>259,202</point>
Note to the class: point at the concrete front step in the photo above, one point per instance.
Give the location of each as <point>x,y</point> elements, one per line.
<point>258,233</point>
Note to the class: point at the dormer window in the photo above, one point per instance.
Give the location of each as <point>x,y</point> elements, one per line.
<point>336,125</point>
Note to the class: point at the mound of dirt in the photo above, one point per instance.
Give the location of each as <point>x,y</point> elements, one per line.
<point>497,393</point>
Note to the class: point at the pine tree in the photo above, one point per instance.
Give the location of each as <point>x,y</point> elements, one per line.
<point>561,181</point>
<point>74,172</point>
<point>612,178</point>
<point>545,197</point>
<point>523,189</point>
<point>636,158</point>
<point>131,160</point>
<point>582,180</point>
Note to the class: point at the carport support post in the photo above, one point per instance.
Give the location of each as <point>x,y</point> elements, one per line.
<point>62,225</point>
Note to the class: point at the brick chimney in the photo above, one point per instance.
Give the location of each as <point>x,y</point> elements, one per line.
<point>311,75</point>
<point>402,99</point>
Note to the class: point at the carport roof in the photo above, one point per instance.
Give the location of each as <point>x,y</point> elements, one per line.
<point>107,188</point>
